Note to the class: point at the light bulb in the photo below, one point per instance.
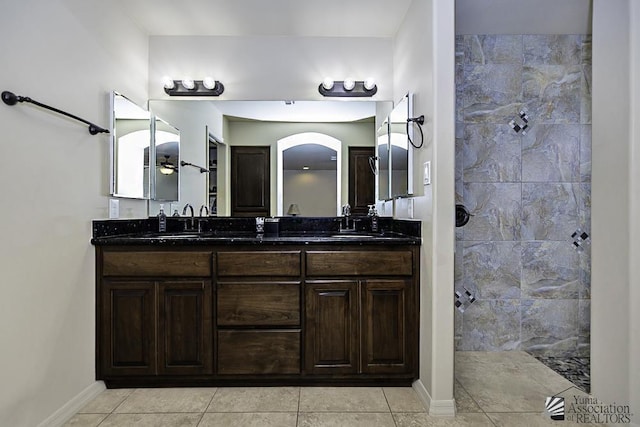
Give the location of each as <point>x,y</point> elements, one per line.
<point>348,84</point>
<point>209,82</point>
<point>327,83</point>
<point>369,83</point>
<point>167,82</point>
<point>188,83</point>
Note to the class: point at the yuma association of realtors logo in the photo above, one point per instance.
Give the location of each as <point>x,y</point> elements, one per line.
<point>584,409</point>
<point>554,407</point>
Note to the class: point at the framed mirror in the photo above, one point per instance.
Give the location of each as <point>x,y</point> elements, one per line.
<point>130,148</point>
<point>264,123</point>
<point>401,153</point>
<point>166,151</point>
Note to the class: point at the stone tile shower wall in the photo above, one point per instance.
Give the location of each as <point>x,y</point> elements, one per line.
<point>528,191</point>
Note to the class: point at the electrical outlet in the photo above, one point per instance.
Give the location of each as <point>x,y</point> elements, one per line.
<point>410,208</point>
<point>427,173</point>
<point>114,208</point>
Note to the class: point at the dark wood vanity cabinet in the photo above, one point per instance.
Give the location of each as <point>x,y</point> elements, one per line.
<point>289,314</point>
<point>154,313</point>
<point>365,325</point>
<point>258,312</point>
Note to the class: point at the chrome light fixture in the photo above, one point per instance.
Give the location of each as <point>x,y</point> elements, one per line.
<point>189,87</point>
<point>348,88</point>
<point>166,167</point>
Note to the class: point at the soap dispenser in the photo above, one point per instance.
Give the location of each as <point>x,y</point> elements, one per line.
<point>162,220</point>
<point>374,218</point>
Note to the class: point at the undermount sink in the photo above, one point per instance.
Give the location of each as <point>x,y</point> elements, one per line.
<point>172,236</point>
<point>353,236</point>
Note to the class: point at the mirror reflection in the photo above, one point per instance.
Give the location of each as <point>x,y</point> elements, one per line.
<point>130,148</point>
<point>166,140</point>
<point>383,161</point>
<point>263,124</point>
<point>400,152</point>
<point>308,179</point>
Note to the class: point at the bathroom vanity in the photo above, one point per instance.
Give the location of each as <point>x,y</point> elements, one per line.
<point>231,307</point>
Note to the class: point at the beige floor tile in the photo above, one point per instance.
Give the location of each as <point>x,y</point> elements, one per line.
<point>342,399</point>
<point>530,420</point>
<point>403,399</point>
<point>228,419</point>
<point>345,419</point>
<point>85,420</point>
<point>505,388</point>
<point>511,358</point>
<point>106,402</point>
<point>152,420</point>
<point>464,402</point>
<point>425,420</point>
<point>255,399</point>
<point>152,400</point>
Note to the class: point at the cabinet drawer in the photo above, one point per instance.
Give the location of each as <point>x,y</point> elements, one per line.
<point>357,263</point>
<point>258,304</point>
<point>183,264</point>
<point>259,263</point>
<point>259,352</point>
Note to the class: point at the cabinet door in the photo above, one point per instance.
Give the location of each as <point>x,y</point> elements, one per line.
<point>250,181</point>
<point>127,328</point>
<point>331,330</point>
<point>184,327</point>
<point>386,340</point>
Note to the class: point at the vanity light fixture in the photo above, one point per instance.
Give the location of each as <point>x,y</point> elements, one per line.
<point>327,83</point>
<point>348,84</point>
<point>189,87</point>
<point>166,167</point>
<point>348,88</point>
<point>188,83</point>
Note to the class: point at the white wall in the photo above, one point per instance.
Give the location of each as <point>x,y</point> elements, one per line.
<point>615,337</point>
<point>271,68</point>
<point>314,192</point>
<point>424,65</point>
<point>523,17</point>
<point>69,54</point>
<point>634,252</point>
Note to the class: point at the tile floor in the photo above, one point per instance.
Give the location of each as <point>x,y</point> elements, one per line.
<point>491,389</point>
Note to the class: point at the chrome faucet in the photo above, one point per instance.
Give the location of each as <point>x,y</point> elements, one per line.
<point>205,208</point>
<point>184,212</point>
<point>346,224</point>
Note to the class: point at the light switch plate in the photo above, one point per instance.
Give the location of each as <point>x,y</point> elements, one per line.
<point>427,173</point>
<point>114,208</point>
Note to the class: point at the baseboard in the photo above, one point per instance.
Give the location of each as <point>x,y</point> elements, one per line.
<point>437,408</point>
<point>69,409</point>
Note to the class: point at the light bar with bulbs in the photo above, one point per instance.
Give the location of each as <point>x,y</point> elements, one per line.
<point>189,87</point>
<point>348,87</point>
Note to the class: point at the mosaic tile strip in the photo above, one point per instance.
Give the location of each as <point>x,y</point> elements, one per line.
<point>464,300</point>
<point>580,239</point>
<point>521,123</point>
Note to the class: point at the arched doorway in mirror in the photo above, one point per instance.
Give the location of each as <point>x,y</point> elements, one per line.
<point>308,175</point>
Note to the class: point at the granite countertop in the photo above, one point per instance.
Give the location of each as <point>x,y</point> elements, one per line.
<point>238,231</point>
<point>187,238</point>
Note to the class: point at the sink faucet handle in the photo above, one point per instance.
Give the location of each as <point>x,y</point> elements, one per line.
<point>346,210</point>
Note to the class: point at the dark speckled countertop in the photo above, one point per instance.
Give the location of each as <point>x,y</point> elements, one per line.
<point>238,231</point>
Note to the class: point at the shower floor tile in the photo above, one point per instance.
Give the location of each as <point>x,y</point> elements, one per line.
<point>575,369</point>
